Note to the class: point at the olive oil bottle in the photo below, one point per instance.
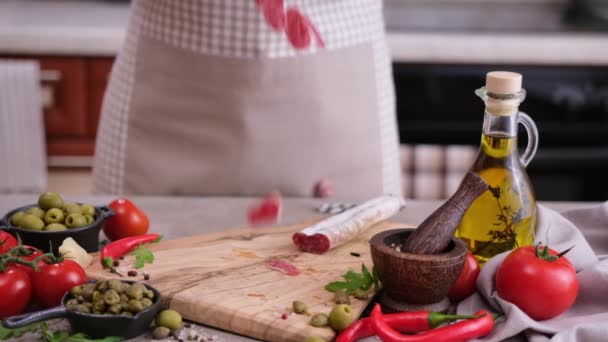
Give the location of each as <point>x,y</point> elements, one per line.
<point>504,217</point>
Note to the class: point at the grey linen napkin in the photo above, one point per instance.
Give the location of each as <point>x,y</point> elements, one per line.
<point>587,319</point>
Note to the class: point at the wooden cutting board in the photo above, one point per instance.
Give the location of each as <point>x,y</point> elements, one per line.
<point>222,280</point>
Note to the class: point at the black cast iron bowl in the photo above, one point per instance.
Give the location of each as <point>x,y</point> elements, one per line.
<point>95,326</point>
<point>86,236</point>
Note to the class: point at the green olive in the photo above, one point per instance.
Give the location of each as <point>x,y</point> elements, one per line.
<point>111,297</point>
<point>114,309</point>
<point>55,227</point>
<point>75,221</point>
<point>32,222</point>
<point>16,218</point>
<point>299,307</point>
<point>124,298</point>
<point>89,219</point>
<point>116,285</point>
<point>87,291</point>
<point>83,308</point>
<point>126,314</point>
<point>135,306</point>
<point>101,286</point>
<point>36,212</point>
<point>146,302</point>
<point>170,319</point>
<point>72,304</point>
<point>71,208</point>
<point>76,291</point>
<point>135,292</point>
<point>88,305</point>
<point>54,215</point>
<point>96,296</point>
<point>315,339</point>
<point>160,333</point>
<point>99,305</point>
<point>340,317</point>
<point>341,297</point>
<point>49,200</point>
<point>87,209</point>
<point>319,320</point>
<point>149,294</point>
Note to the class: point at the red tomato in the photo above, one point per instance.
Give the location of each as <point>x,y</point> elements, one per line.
<point>466,284</point>
<point>541,288</point>
<point>35,253</point>
<point>128,221</point>
<point>7,242</point>
<point>54,280</point>
<point>16,290</point>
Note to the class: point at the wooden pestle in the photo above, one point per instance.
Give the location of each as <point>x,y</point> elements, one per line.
<point>435,233</point>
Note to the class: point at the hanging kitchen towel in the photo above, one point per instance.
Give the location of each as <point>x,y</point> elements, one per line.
<point>240,97</point>
<point>22,147</point>
<point>586,319</point>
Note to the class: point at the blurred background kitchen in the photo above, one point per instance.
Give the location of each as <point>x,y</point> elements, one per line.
<point>441,50</point>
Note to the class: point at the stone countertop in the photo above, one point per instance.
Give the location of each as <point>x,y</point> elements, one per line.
<point>97,28</point>
<point>183,216</point>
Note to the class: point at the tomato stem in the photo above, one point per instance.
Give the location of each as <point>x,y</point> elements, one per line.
<point>545,255</point>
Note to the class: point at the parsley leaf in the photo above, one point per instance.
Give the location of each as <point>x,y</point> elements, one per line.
<point>142,256</point>
<point>6,333</point>
<point>355,281</point>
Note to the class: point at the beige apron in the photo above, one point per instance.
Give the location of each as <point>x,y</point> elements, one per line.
<point>203,106</point>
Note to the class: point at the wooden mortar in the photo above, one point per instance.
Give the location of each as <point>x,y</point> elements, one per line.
<point>413,282</point>
<point>435,233</point>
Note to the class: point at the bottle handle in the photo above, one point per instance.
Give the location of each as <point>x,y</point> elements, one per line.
<point>532,132</point>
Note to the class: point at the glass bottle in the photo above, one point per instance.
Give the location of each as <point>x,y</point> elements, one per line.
<point>504,217</point>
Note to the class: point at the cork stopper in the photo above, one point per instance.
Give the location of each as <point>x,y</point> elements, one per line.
<point>503,82</point>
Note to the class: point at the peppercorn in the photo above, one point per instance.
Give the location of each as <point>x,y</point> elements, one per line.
<point>132,273</point>
<point>146,276</point>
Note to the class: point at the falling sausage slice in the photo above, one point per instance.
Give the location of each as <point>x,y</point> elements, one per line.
<point>339,229</point>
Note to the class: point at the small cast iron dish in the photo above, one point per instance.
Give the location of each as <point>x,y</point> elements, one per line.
<point>413,282</point>
<point>95,326</point>
<point>86,236</point>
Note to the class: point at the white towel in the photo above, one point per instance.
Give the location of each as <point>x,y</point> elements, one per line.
<point>22,146</point>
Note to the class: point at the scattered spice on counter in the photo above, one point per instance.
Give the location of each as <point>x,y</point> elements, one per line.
<point>355,254</point>
<point>284,316</point>
<point>132,273</point>
<point>116,263</point>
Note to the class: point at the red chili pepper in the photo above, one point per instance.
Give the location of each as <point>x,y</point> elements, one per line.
<point>457,332</point>
<point>405,322</point>
<point>118,248</point>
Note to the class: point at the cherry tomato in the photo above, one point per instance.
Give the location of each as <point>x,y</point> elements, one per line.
<point>35,253</point>
<point>52,281</point>
<point>128,221</point>
<point>7,242</point>
<point>541,288</point>
<point>466,284</point>
<point>16,290</point>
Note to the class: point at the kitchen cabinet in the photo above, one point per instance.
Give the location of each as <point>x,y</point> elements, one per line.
<point>72,92</point>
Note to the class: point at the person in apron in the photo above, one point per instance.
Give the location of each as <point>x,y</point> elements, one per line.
<point>241,97</point>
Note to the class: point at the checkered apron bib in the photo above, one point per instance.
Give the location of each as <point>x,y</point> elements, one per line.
<point>241,97</point>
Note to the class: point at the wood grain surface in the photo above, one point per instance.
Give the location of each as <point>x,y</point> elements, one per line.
<point>222,280</point>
